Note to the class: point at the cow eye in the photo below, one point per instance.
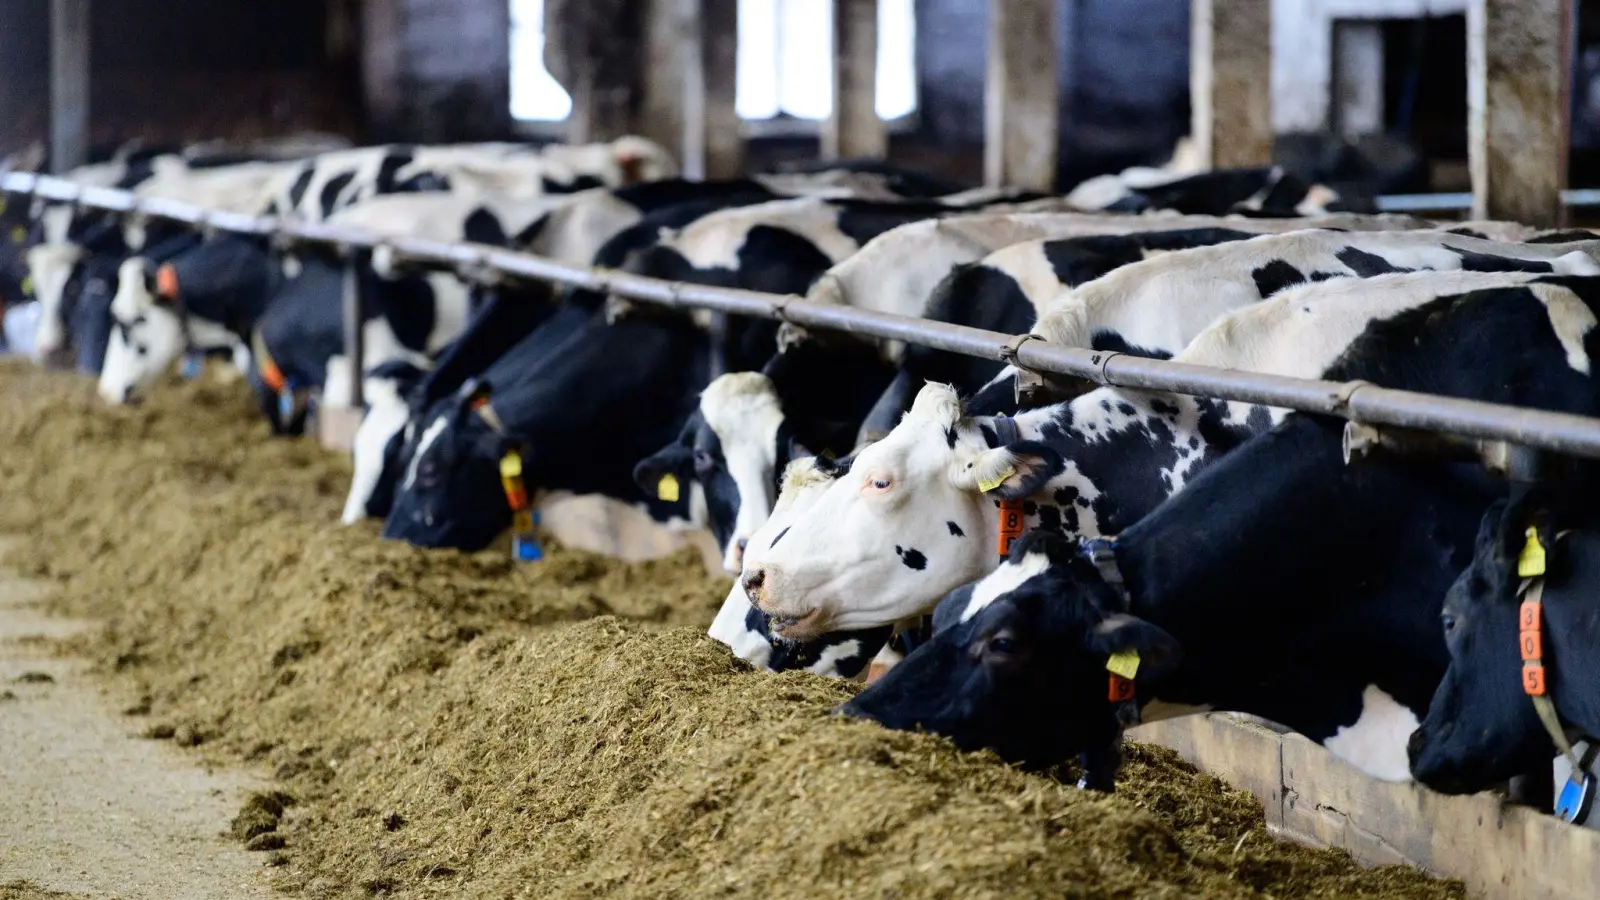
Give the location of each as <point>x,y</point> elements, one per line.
<point>1002,644</point>
<point>704,462</point>
<point>1449,622</point>
<point>878,483</point>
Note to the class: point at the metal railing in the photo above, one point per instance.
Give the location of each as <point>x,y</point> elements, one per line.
<point>1355,401</point>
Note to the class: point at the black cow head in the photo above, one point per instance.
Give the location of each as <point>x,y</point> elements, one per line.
<point>1017,662</point>
<point>450,493</point>
<point>1482,727</point>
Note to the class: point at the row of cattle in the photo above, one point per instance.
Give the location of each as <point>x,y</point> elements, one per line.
<point>1214,555</point>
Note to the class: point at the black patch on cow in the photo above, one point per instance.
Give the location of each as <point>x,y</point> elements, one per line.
<point>530,232</point>
<point>1564,236</point>
<point>1126,409</point>
<point>955,530</point>
<point>1366,264</point>
<point>581,183</point>
<point>912,558</point>
<point>861,221</point>
<point>1111,342</point>
<point>394,159</point>
<point>778,538</point>
<point>1163,407</point>
<point>650,196</point>
<point>329,198</point>
<point>1324,276</point>
<point>1484,262</point>
<point>950,437</point>
<point>1469,232</point>
<point>483,227</point>
<point>297,191</point>
<point>1275,276</point>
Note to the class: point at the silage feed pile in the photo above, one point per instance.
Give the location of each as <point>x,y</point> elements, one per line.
<point>453,725</point>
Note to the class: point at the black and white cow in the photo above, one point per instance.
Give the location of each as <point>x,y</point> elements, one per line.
<point>1267,192</point>
<point>1481,727</point>
<point>1365,554</point>
<point>910,519</point>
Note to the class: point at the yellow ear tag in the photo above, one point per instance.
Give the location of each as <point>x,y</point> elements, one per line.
<point>511,465</point>
<point>990,484</point>
<point>1531,563</point>
<point>667,489</point>
<point>1125,664</point>
<point>27,285</point>
<point>18,234</point>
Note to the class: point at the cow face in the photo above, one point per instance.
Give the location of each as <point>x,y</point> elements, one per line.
<point>903,523</point>
<point>731,448</point>
<point>1018,661</point>
<point>52,266</point>
<point>1481,726</point>
<point>91,314</point>
<point>450,493</point>
<point>379,441</point>
<point>146,336</point>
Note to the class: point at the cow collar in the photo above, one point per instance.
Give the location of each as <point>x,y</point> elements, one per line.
<point>1572,805</point>
<point>1121,668</point>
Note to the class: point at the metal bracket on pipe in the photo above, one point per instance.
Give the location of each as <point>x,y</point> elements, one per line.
<point>1034,388</point>
<point>1361,441</point>
<point>477,271</point>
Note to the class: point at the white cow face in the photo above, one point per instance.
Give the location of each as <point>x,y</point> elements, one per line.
<point>146,337</point>
<point>51,267</point>
<point>386,416</point>
<point>743,412</point>
<point>903,526</point>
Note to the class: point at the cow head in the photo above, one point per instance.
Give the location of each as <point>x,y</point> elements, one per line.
<point>1017,662</point>
<point>904,522</point>
<point>379,442</point>
<point>746,630</point>
<point>146,336</point>
<point>450,493</point>
<point>90,320</point>
<point>52,267</point>
<point>732,446</point>
<point>1481,727</point>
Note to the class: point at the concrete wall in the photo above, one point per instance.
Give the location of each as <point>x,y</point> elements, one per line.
<point>437,70</point>
<point>174,70</point>
<point>1123,68</point>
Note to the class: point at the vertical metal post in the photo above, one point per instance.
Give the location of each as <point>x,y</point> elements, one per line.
<point>69,84</point>
<point>354,318</point>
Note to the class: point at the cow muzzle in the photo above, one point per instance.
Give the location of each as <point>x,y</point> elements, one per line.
<point>790,621</point>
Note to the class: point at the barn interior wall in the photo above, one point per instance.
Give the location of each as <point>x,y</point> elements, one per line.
<point>169,71</point>
<point>438,70</point>
<point>1123,66</point>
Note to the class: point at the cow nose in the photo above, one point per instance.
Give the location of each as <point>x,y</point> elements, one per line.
<point>753,582</point>
<point>743,543</point>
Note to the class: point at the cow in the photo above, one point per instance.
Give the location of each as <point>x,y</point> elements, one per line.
<point>1280,582</point>
<point>1482,726</point>
<point>910,520</point>
<point>779,247</point>
<point>1267,192</point>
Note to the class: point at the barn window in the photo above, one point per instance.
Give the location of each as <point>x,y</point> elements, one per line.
<point>784,51</point>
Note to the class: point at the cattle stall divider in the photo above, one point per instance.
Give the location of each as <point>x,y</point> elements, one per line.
<point>1358,401</point>
<point>1499,850</point>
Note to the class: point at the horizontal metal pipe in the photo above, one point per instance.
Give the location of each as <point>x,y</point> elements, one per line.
<point>1560,432</point>
<point>1463,200</point>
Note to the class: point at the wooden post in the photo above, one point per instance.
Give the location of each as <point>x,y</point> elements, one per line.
<point>669,55</point>
<point>854,130</point>
<point>1358,77</point>
<point>69,84</point>
<point>1022,95</point>
<point>719,36</point>
<point>1230,81</point>
<point>1519,59</point>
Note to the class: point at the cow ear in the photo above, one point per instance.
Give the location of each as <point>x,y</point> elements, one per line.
<point>1158,652</point>
<point>1015,471</point>
<point>798,450</point>
<point>675,460</point>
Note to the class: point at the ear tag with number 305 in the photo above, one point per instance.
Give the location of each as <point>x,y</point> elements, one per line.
<point>667,489</point>
<point>1531,563</point>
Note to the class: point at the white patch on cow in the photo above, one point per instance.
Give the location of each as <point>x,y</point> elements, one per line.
<point>743,410</point>
<point>828,660</point>
<point>50,266</point>
<point>429,435</point>
<point>1571,319</point>
<point>1004,580</point>
<point>714,241</point>
<point>1032,270</point>
<point>1376,742</point>
<point>1317,200</point>
<point>386,415</point>
<point>1098,192</point>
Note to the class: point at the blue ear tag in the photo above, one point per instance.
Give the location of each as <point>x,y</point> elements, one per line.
<point>286,404</point>
<point>1572,805</point>
<point>525,549</point>
<point>193,365</point>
